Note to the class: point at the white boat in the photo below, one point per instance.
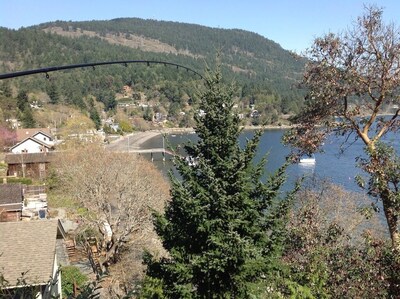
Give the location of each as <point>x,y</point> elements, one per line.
<point>307,160</point>
<point>191,161</point>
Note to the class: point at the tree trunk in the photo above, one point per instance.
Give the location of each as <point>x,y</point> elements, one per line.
<point>392,222</point>
<point>389,207</point>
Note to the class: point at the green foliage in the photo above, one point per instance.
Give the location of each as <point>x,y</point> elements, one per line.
<point>53,93</point>
<point>148,114</point>
<point>269,72</point>
<point>341,101</point>
<point>25,181</point>
<point>223,226</point>
<point>151,287</point>
<point>22,100</point>
<point>325,261</point>
<point>71,275</point>
<point>108,130</point>
<point>28,121</point>
<point>95,117</point>
<point>5,89</point>
<point>125,126</point>
<point>381,159</point>
<point>24,289</point>
<point>89,291</point>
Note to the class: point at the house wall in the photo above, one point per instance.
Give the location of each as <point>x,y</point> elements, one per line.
<point>31,170</point>
<point>55,289</point>
<point>44,138</point>
<point>29,146</point>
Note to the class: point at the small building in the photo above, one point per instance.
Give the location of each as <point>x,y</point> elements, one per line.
<point>35,202</point>
<point>34,165</point>
<point>42,134</point>
<point>29,251</point>
<point>11,202</point>
<point>43,137</point>
<point>31,145</point>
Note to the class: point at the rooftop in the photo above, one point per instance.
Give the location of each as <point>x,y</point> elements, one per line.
<point>11,196</point>
<point>28,247</point>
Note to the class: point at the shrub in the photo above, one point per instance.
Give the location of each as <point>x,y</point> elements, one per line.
<point>25,181</point>
<point>329,251</point>
<point>69,276</point>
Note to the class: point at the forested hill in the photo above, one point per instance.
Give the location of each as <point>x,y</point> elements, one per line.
<point>265,73</point>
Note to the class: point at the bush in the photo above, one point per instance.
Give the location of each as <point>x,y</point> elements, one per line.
<point>331,254</point>
<point>25,181</point>
<point>69,276</point>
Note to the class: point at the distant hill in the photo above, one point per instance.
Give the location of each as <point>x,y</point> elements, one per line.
<point>264,72</point>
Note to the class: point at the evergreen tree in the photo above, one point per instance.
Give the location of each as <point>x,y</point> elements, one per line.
<point>22,100</point>
<point>6,90</point>
<point>94,115</point>
<point>27,118</point>
<point>148,114</point>
<point>53,93</point>
<point>222,225</point>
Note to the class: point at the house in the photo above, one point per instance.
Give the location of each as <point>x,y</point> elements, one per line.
<point>42,134</point>
<point>33,140</point>
<point>11,202</point>
<point>34,165</point>
<point>31,145</point>
<point>29,250</point>
<point>43,137</point>
<point>21,202</point>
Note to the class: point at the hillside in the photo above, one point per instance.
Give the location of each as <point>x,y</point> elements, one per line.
<point>265,74</point>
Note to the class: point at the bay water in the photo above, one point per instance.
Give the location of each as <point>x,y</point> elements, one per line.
<point>333,164</point>
<point>336,164</point>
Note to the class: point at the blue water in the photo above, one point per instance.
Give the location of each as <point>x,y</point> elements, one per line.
<point>331,165</point>
<point>334,164</point>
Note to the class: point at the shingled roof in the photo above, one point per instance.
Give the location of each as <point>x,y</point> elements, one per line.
<point>24,133</point>
<point>44,157</point>
<point>11,197</point>
<point>28,247</point>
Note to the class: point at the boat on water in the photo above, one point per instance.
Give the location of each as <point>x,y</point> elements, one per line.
<point>191,161</point>
<point>307,160</point>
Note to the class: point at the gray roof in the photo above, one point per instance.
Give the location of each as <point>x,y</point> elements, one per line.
<point>11,197</point>
<point>28,247</point>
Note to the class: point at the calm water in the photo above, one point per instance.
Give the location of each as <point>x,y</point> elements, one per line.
<point>340,169</point>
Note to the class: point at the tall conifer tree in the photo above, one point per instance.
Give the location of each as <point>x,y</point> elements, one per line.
<point>221,227</point>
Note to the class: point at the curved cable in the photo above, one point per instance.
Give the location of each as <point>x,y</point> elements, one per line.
<point>93,64</point>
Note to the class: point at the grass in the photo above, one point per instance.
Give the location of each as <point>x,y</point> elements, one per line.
<point>61,201</point>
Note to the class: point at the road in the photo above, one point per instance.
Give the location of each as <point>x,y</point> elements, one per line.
<point>132,141</point>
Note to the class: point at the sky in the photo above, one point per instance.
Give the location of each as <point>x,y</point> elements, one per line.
<point>293,24</point>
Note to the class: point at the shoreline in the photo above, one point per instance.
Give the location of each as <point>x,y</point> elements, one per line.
<point>137,139</point>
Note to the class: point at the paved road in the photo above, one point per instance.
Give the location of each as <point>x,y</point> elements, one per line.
<point>132,142</point>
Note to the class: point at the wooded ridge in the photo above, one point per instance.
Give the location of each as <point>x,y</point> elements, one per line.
<point>264,72</point>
